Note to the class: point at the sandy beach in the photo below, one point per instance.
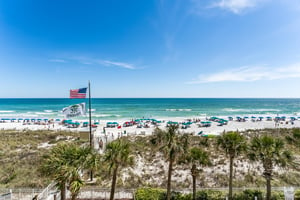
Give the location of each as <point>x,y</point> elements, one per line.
<point>195,127</point>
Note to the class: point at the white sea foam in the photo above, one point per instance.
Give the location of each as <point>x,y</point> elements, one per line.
<point>250,110</point>
<point>180,109</point>
<point>105,115</point>
<point>48,111</point>
<point>43,113</point>
<point>6,111</point>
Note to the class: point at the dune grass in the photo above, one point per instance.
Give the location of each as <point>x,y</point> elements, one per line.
<point>21,152</point>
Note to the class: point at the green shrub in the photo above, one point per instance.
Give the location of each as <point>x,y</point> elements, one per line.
<point>277,195</point>
<point>297,195</point>
<point>149,194</point>
<point>248,195</point>
<point>210,195</point>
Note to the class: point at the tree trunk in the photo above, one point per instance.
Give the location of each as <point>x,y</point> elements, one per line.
<point>230,177</point>
<point>194,181</point>
<point>113,184</point>
<point>73,197</point>
<point>268,179</point>
<point>63,191</point>
<point>169,179</point>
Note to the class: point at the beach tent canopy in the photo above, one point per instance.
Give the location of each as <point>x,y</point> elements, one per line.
<point>170,122</point>
<point>206,122</point>
<point>5,119</point>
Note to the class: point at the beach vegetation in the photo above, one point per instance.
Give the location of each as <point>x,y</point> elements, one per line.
<point>196,158</point>
<point>64,164</point>
<point>21,153</point>
<point>173,145</point>
<point>270,152</point>
<point>233,144</point>
<point>117,155</point>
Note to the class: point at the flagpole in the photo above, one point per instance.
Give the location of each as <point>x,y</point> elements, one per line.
<point>90,123</point>
<point>90,116</point>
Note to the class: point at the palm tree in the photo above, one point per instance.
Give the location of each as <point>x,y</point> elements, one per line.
<point>196,156</point>
<point>270,151</point>
<point>117,154</point>
<point>234,144</point>
<point>63,164</point>
<point>173,145</point>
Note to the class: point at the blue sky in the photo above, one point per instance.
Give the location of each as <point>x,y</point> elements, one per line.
<point>151,48</point>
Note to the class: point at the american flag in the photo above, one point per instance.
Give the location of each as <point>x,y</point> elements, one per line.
<point>78,93</point>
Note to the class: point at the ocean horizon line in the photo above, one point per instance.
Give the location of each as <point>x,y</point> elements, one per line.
<point>154,98</point>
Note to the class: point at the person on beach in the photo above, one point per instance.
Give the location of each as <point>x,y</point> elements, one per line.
<point>100,144</point>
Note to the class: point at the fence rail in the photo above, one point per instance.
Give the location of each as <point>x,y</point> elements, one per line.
<point>98,193</point>
<point>6,196</point>
<point>21,193</point>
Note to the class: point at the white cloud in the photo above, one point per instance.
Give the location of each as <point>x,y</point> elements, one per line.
<point>235,6</point>
<point>92,61</point>
<point>248,74</point>
<point>119,64</point>
<point>58,60</point>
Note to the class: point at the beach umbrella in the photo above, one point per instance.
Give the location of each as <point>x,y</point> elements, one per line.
<point>96,122</point>
<point>253,117</point>
<point>213,118</point>
<point>20,118</point>
<point>246,117</point>
<point>205,122</point>
<point>170,122</point>
<point>260,117</point>
<point>5,119</point>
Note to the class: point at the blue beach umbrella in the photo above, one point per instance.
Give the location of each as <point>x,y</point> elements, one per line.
<point>5,119</point>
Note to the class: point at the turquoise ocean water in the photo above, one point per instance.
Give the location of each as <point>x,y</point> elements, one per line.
<point>128,108</point>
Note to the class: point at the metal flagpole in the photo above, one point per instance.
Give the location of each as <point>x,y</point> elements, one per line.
<point>90,123</point>
<point>90,116</point>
